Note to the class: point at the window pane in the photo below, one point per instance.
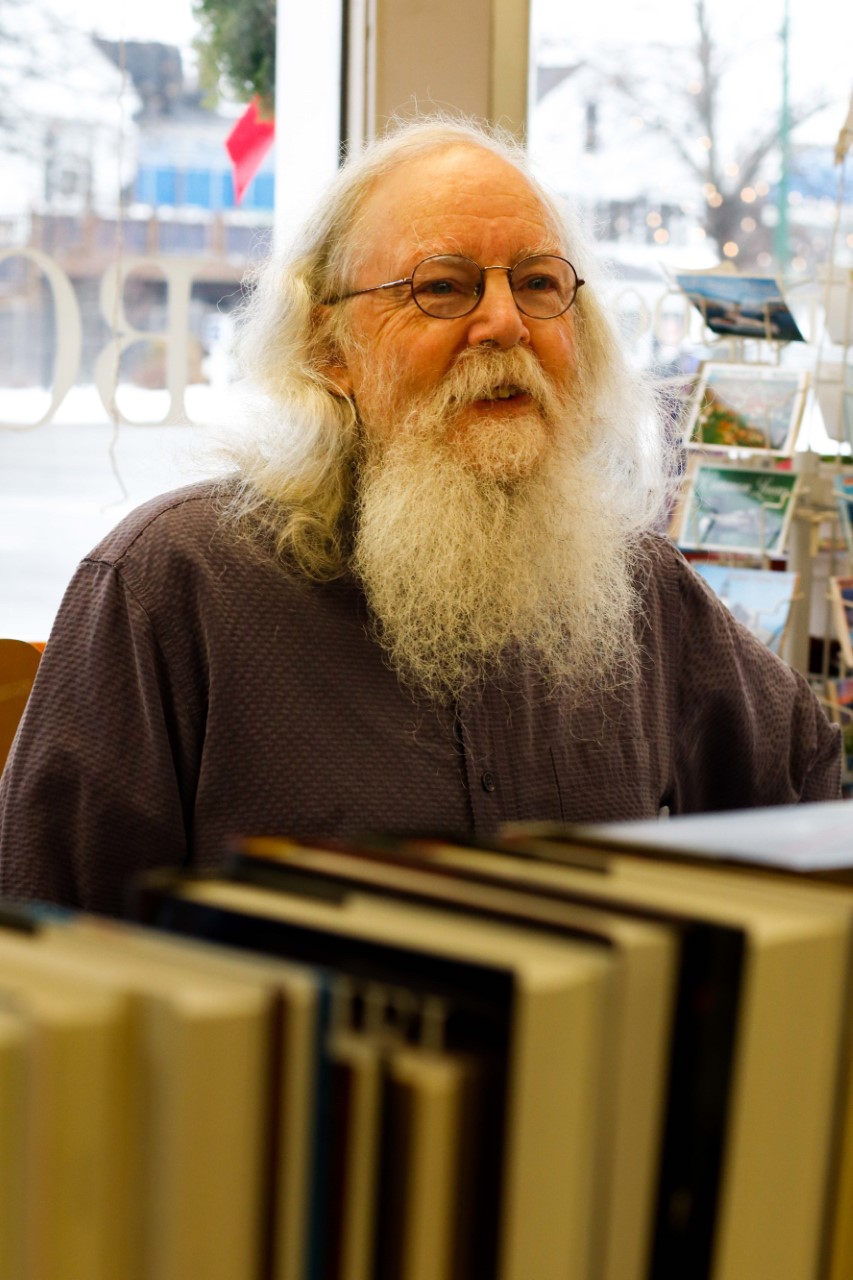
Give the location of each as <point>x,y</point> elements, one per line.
<point>115,174</point>
<point>694,135</point>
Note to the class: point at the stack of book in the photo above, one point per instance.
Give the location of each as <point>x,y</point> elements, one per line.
<point>592,1054</point>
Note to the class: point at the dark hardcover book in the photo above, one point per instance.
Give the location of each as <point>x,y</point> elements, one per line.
<point>785,873</point>
<point>810,847</point>
<point>707,1002</point>
<point>529,1008</point>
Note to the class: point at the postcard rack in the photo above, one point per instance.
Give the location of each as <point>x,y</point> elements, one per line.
<point>750,500</point>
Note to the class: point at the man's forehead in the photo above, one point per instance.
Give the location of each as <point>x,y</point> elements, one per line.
<point>454,200</point>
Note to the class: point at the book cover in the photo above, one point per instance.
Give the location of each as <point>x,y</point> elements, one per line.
<point>639,1032</point>
<point>532,1008</point>
<point>772,1174</point>
<point>682,857</point>
<point>650,1162</point>
<point>78,1177</point>
<point>429,1099</point>
<point>194,1111</point>
<point>357,1062</point>
<point>15,1048</point>
<point>294,1116</point>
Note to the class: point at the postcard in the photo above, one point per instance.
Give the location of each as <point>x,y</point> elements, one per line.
<point>843,488</point>
<point>747,406</point>
<point>740,306</point>
<point>841,597</point>
<point>836,293</point>
<point>759,598</point>
<point>739,509</point>
<point>840,697</point>
<point>833,383</point>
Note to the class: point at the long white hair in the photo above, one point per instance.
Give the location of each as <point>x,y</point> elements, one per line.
<point>295,464</point>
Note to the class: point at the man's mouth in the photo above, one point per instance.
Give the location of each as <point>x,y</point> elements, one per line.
<point>507,392</point>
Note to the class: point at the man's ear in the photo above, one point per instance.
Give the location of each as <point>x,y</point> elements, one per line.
<point>335,368</point>
<point>331,361</point>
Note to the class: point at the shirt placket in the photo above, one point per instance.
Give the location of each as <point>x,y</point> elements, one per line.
<point>484,730</point>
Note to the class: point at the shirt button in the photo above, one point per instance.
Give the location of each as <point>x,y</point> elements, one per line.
<point>489,781</point>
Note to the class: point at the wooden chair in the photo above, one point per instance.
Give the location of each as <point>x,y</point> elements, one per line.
<point>18,666</point>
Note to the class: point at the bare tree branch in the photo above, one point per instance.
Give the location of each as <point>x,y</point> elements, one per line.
<point>690,114</point>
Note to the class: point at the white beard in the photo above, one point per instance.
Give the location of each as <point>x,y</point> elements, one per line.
<point>502,548</point>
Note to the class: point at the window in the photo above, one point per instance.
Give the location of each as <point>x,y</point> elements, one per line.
<point>115,169</point>
<point>692,134</point>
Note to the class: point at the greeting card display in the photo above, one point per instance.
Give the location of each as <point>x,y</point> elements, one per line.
<point>833,383</point>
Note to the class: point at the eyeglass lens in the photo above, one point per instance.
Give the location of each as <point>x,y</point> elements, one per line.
<point>449,286</point>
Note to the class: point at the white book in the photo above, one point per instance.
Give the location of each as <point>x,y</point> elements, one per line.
<point>792,1033</point>
<point>78,1177</point>
<point>301,999</point>
<point>14,1050</point>
<point>195,1091</point>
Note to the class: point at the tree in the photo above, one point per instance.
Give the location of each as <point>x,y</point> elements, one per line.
<point>681,95</point>
<point>237,48</point>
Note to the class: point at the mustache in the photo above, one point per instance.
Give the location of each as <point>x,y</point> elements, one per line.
<point>478,371</point>
<point>433,412</point>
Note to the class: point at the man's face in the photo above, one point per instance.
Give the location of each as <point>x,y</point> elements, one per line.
<point>463,201</point>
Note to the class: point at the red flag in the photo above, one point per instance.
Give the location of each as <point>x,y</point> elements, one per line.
<point>247,144</point>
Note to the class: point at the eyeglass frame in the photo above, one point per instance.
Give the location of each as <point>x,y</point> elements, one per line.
<point>409,280</point>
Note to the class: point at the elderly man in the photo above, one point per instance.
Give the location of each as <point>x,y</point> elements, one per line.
<point>428,594</point>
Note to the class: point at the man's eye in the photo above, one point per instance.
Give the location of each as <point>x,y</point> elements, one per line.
<point>538,284</point>
<point>444,288</point>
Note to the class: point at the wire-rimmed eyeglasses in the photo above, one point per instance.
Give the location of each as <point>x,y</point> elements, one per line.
<point>449,285</point>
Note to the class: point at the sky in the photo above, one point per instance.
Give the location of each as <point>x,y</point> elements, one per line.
<point>820,43</point>
<point>821,31</point>
<point>820,36</point>
<point>170,21</point>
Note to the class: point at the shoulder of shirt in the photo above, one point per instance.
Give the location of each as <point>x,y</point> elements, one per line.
<point>193,510</point>
<point>658,556</point>
<point>187,536</point>
<point>664,576</point>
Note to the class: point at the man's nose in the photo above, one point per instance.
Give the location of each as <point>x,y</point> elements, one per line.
<point>496,318</point>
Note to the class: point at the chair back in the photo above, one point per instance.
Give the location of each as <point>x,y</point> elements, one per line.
<point>18,666</point>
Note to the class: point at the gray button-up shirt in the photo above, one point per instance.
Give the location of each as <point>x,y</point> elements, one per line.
<point>192,689</point>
